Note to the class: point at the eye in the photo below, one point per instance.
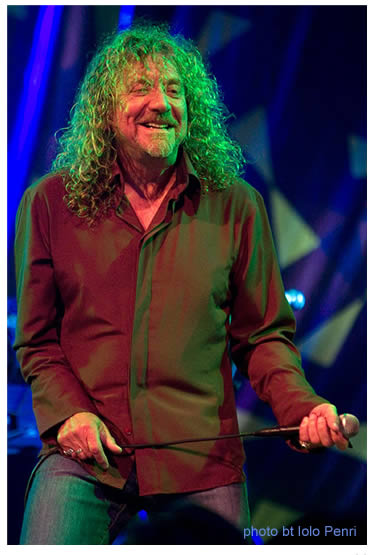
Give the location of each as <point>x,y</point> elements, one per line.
<point>174,90</point>
<point>140,90</point>
<point>140,87</point>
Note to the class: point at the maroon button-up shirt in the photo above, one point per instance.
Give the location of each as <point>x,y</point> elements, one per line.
<point>136,326</point>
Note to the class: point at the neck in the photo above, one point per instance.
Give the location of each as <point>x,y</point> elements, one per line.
<point>149,180</point>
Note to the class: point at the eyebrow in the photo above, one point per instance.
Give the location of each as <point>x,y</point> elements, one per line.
<point>144,80</point>
<point>174,81</point>
<point>139,80</point>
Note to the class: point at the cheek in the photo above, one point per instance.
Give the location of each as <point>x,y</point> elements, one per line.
<point>125,114</point>
<point>124,122</point>
<point>183,116</point>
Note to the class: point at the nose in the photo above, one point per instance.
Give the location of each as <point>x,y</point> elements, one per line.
<point>158,100</point>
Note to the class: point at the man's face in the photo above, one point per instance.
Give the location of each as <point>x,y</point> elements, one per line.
<point>151,117</point>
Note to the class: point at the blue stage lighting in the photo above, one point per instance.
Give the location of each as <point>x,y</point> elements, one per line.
<point>125,17</point>
<point>31,104</point>
<point>295,299</point>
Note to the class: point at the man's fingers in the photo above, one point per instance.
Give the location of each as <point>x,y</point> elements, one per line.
<point>312,430</point>
<point>339,440</point>
<point>81,453</point>
<point>321,428</point>
<point>324,432</point>
<point>108,440</point>
<point>329,426</point>
<point>87,435</point>
<point>303,430</point>
<point>329,412</point>
<point>96,451</point>
<point>69,439</point>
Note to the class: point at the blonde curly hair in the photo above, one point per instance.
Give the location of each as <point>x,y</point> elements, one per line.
<point>87,146</point>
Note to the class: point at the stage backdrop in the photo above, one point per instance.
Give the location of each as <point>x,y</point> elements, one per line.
<point>294,78</point>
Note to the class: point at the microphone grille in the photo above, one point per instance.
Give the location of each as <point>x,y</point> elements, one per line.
<point>349,425</point>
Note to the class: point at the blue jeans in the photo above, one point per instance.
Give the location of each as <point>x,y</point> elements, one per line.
<point>67,506</point>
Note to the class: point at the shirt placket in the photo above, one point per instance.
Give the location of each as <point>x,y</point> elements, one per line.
<point>140,301</point>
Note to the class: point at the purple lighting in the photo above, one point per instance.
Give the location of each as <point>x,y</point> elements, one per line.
<point>33,94</point>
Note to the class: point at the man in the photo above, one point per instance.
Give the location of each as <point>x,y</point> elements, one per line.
<point>143,263</point>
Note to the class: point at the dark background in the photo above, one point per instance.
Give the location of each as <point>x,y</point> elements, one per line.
<point>294,78</point>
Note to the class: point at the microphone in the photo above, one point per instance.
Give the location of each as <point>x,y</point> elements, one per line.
<point>349,427</point>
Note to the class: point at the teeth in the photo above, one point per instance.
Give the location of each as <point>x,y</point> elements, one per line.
<point>155,126</point>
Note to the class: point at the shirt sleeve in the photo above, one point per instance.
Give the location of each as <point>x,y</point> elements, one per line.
<point>56,392</point>
<point>263,324</point>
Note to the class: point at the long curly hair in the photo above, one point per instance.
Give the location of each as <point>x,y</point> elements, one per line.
<point>87,146</point>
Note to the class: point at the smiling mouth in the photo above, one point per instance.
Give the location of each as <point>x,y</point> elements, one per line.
<point>157,125</point>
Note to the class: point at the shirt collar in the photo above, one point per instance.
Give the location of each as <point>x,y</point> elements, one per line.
<point>189,166</point>
<point>184,171</point>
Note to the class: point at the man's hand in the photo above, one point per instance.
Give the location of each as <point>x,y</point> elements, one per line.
<point>321,428</point>
<point>86,435</point>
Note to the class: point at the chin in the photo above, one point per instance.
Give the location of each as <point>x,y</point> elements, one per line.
<point>160,150</point>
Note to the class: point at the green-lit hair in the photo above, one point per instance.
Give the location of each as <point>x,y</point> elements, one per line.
<point>87,148</point>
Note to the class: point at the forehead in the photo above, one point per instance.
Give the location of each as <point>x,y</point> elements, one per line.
<point>150,69</point>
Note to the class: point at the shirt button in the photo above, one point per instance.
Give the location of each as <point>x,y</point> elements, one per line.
<point>128,432</point>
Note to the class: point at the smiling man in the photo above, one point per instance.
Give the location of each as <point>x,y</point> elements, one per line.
<point>151,118</point>
<point>144,263</point>
<point>150,124</point>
